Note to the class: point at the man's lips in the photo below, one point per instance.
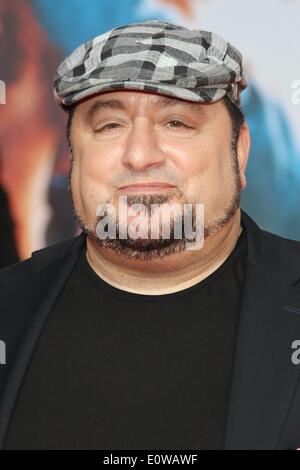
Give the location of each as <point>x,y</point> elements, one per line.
<point>150,186</point>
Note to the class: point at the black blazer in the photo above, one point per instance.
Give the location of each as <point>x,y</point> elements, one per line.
<point>8,249</point>
<point>264,410</point>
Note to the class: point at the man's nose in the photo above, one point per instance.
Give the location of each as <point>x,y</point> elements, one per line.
<point>142,147</point>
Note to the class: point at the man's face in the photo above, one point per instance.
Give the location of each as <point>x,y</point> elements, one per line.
<point>121,138</point>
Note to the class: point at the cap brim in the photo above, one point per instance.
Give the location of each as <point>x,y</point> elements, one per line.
<point>207,94</point>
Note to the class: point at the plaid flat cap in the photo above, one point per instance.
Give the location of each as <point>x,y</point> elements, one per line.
<point>156,56</point>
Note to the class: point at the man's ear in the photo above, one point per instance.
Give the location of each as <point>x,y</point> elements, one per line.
<point>243,150</point>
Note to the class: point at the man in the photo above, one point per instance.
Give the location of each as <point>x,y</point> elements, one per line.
<point>151,342</point>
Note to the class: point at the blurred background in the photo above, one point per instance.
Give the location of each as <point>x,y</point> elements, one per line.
<point>35,36</point>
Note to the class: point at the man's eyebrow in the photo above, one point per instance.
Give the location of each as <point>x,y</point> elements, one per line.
<point>164,101</point>
<point>168,101</point>
<point>99,105</point>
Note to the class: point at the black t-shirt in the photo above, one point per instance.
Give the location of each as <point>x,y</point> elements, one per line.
<point>119,370</point>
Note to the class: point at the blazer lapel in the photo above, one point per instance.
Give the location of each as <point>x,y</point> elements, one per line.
<point>264,377</point>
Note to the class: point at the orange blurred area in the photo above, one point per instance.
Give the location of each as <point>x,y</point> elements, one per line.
<point>31,126</point>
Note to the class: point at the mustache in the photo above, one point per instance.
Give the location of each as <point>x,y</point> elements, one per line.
<point>147,199</point>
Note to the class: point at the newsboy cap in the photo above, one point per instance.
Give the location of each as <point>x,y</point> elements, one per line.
<point>155,56</point>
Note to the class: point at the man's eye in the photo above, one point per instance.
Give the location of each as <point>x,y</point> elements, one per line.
<point>178,122</point>
<point>111,125</point>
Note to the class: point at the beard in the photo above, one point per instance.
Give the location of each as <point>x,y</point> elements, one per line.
<point>147,249</point>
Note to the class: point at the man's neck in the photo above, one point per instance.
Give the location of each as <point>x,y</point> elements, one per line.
<point>167,275</point>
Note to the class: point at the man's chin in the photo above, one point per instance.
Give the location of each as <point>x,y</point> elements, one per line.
<point>141,249</point>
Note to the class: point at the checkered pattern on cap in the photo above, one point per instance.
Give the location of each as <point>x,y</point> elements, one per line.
<point>156,56</point>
